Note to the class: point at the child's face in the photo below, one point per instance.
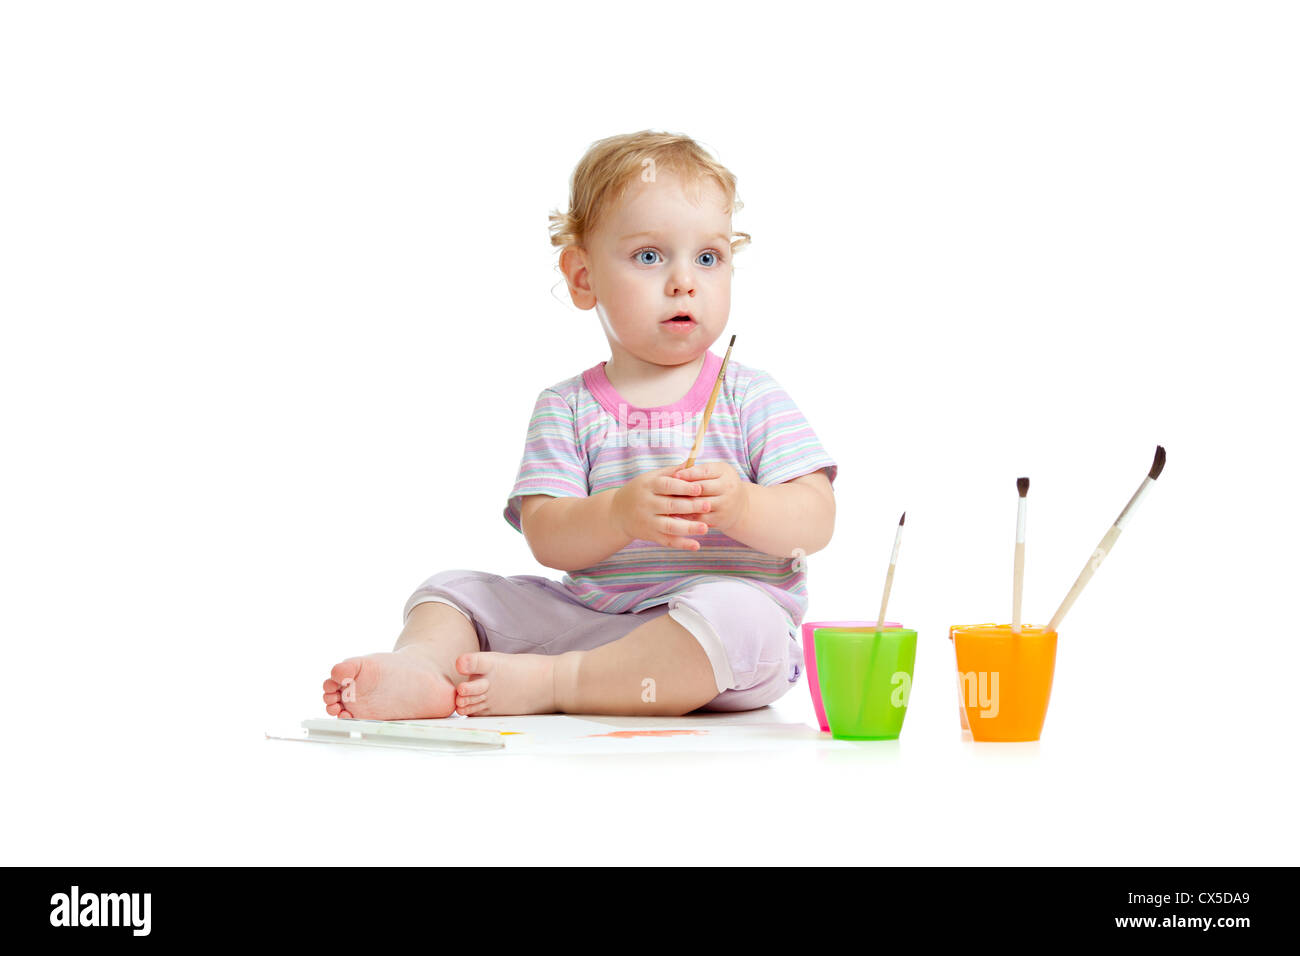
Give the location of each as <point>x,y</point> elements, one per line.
<point>655,255</point>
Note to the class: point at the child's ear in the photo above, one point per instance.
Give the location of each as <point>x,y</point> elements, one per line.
<point>573,263</point>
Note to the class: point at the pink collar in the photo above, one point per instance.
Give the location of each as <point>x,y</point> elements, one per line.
<point>693,401</point>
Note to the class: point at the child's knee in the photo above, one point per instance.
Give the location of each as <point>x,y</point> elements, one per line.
<point>745,625</point>
<point>445,579</point>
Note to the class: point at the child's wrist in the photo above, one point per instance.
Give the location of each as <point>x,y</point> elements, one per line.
<point>614,513</point>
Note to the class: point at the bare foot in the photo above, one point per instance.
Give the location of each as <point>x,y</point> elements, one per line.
<point>399,685</point>
<point>512,683</point>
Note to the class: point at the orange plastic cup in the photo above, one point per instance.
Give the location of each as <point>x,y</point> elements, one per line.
<point>1004,680</point>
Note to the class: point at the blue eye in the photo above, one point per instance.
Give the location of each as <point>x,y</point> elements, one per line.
<point>716,257</point>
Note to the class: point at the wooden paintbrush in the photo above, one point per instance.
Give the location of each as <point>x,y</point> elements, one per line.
<point>1108,541</point>
<point>1018,583</point>
<point>708,409</point>
<point>889,578</point>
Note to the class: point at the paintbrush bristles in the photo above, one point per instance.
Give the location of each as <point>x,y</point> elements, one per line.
<point>1022,486</point>
<point>1158,465</point>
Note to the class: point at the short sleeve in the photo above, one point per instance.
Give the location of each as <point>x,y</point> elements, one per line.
<point>781,444</point>
<point>552,463</point>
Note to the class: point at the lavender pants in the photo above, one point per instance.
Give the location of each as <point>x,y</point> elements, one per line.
<point>745,633</point>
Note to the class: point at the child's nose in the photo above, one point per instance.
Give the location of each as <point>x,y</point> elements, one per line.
<point>681,281</point>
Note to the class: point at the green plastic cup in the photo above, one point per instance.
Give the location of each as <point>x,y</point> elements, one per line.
<point>866,678</point>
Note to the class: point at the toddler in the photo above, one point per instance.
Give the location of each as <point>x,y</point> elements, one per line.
<point>684,587</point>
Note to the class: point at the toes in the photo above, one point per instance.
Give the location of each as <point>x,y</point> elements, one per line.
<point>333,709</point>
<point>330,698</point>
<point>473,663</point>
<point>343,714</point>
<point>346,670</point>
<point>472,688</point>
<point>330,685</point>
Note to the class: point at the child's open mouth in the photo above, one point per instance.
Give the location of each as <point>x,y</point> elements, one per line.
<point>679,323</point>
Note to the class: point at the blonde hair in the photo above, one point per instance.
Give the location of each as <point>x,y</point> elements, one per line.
<point>611,165</point>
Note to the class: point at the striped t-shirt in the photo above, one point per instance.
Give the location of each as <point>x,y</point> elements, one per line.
<point>584,438</point>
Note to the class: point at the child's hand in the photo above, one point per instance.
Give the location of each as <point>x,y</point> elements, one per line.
<point>657,507</point>
<point>724,494</point>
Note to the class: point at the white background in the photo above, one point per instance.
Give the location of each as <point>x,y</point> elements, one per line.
<point>277,295</point>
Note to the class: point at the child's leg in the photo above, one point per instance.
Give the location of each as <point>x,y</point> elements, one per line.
<point>439,633</point>
<point>657,669</point>
<point>723,644</point>
<point>416,680</point>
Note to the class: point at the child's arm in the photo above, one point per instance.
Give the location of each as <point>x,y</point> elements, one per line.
<point>572,533</point>
<point>774,519</point>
